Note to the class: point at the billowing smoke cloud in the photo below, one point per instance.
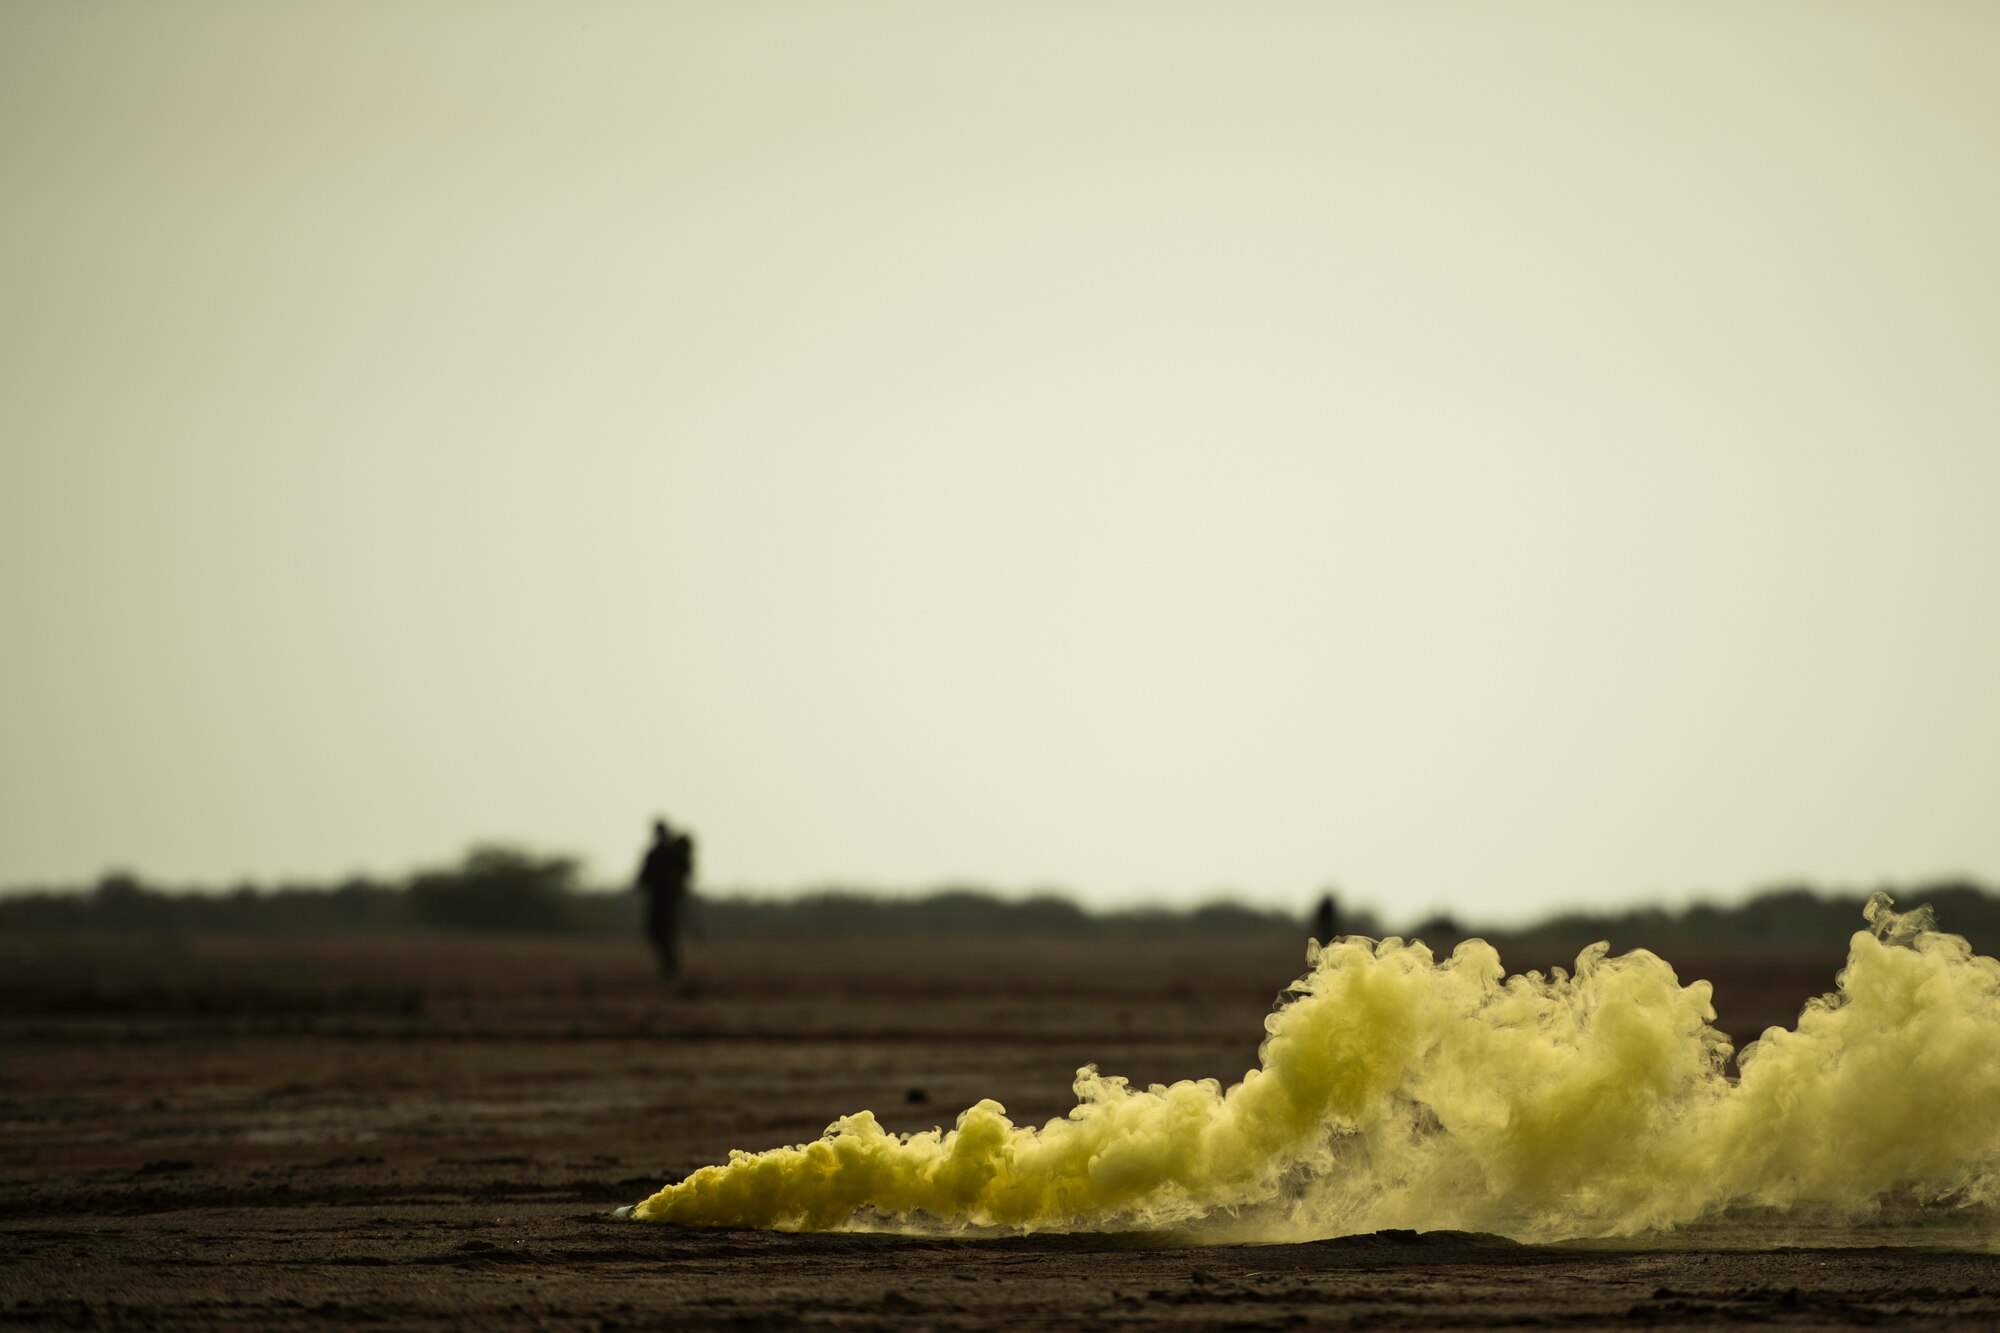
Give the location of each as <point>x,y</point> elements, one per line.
<point>1398,1091</point>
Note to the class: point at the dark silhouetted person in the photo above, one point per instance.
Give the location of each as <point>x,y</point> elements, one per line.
<point>1326,920</point>
<point>664,877</point>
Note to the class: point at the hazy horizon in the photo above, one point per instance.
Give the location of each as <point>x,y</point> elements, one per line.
<point>1491,459</point>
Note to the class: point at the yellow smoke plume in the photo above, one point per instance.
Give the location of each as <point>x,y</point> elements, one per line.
<point>1394,1090</point>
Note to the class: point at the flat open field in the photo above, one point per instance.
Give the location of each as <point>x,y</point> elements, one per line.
<point>425,1132</point>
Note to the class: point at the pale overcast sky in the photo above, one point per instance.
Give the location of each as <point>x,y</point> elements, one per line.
<point>1489,456</point>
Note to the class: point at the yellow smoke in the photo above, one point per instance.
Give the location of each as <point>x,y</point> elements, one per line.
<point>1397,1091</point>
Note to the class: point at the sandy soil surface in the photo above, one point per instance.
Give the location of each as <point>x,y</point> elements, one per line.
<point>227,1132</point>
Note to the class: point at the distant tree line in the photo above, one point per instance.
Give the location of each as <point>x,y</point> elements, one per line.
<point>491,888</point>
<point>504,889</point>
<point>968,910</point>
<point>1793,914</point>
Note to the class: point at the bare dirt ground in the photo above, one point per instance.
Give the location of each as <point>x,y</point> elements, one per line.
<point>406,1132</point>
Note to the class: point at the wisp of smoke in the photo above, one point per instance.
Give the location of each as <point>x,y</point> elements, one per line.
<point>1394,1090</point>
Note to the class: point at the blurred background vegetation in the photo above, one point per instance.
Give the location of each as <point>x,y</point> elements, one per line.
<point>501,889</point>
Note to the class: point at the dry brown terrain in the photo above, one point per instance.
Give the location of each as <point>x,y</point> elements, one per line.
<point>228,1132</point>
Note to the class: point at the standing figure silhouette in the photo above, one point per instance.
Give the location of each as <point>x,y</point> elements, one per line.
<point>1326,920</point>
<point>664,877</point>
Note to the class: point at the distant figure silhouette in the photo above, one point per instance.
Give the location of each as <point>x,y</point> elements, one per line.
<point>664,877</point>
<point>1326,920</point>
